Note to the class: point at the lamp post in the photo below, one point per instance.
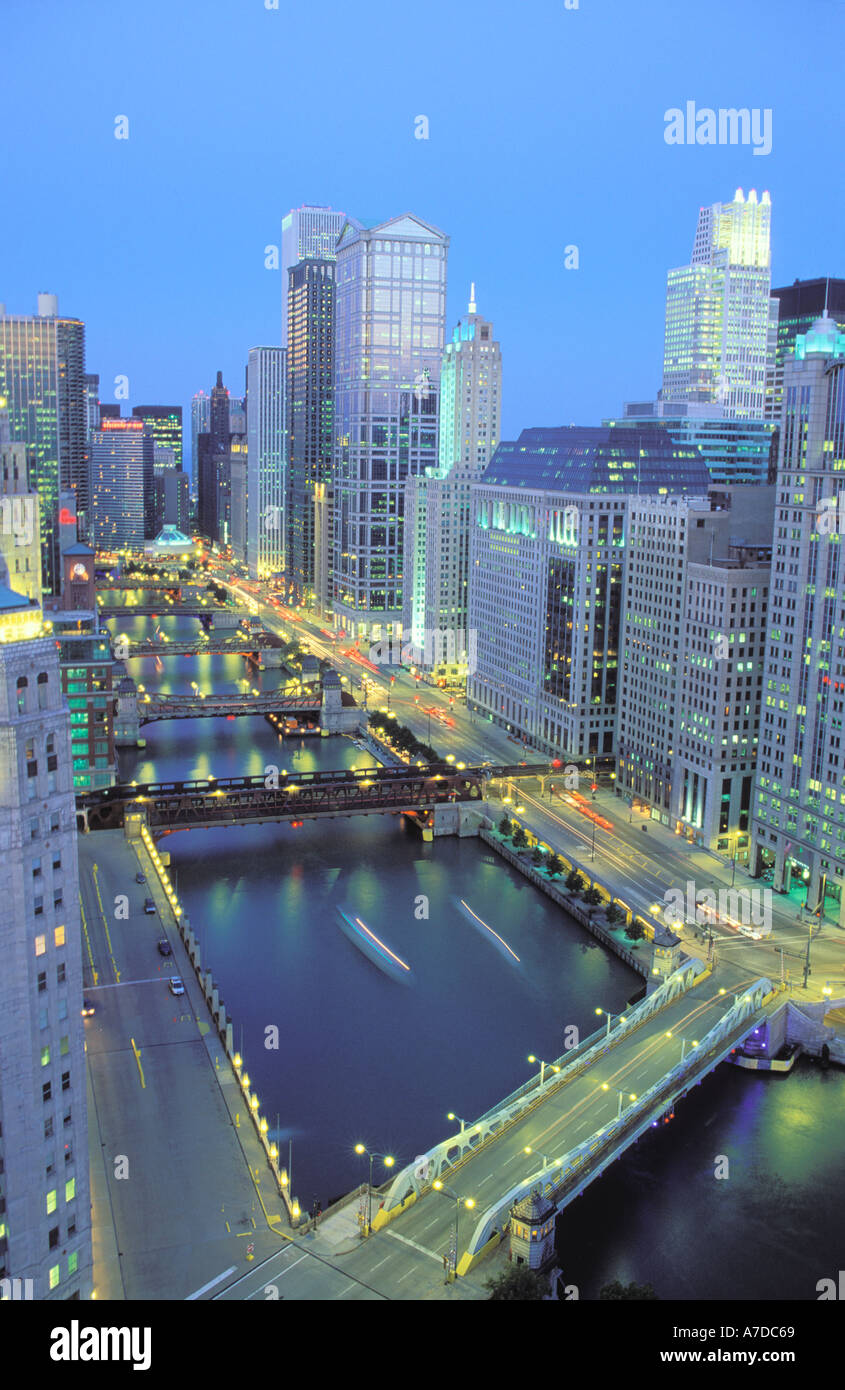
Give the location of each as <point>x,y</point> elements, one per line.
<point>542,1065</point>
<point>609,1016</point>
<point>469,1203</point>
<point>388,1163</point>
<point>547,1162</point>
<point>621,1094</point>
<point>452,1116</point>
<point>694,1042</point>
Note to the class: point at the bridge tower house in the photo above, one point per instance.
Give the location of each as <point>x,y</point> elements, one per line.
<point>126,720</point>
<point>532,1234</point>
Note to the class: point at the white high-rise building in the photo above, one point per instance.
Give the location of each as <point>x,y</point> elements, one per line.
<point>390,309</point>
<point>438,504</point>
<point>719,341</point>
<point>266,461</point>
<point>799,804</point>
<point>308,233</point>
<point>45,1215</point>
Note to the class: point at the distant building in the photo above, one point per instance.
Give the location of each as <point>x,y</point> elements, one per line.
<point>42,378</point>
<point>165,425</point>
<point>436,537</point>
<point>308,233</point>
<point>266,462</point>
<point>238,474</point>
<point>200,424</point>
<point>171,544</point>
<point>546,569</point>
<point>20,520</point>
<point>122,478</point>
<point>798,307</point>
<point>172,499</point>
<point>389,322</point>
<point>718,333</point>
<point>736,451</point>
<point>45,1218</point>
<point>310,358</point>
<point>798,815</point>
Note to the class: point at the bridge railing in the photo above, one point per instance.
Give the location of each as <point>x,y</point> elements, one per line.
<point>450,1152</point>
<point>557,1178</point>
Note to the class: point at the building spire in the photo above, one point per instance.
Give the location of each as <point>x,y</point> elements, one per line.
<point>472,306</point>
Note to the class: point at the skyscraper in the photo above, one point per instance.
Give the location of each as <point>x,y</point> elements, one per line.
<point>798,307</point>
<point>165,424</point>
<point>798,827</point>
<point>266,461</point>
<point>308,233</point>
<point>309,412</point>
<point>718,332</point>
<point>45,1218</point>
<point>200,424</point>
<point>123,513</point>
<point>42,376</point>
<point>389,324</point>
<point>437,503</point>
<point>20,521</point>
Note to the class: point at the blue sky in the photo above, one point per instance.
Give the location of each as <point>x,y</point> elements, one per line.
<point>545,130</point>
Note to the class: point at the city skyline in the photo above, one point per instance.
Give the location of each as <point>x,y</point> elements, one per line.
<point>619,192</point>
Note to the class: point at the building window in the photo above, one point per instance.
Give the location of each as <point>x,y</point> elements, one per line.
<point>60,974</point>
<point>42,690</point>
<point>59,936</point>
<point>38,909</point>
<point>70,1189</point>
<point>72,1261</point>
<point>40,941</point>
<point>48,1127</point>
<point>54,1237</point>
<point>65,1080</point>
<point>46,1092</point>
<point>64,1046</point>
<point>45,1056</point>
<point>21,688</point>
<point>51,1201</point>
<point>54,1277</point>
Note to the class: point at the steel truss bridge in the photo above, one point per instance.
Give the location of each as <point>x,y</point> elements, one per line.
<point>298,796</point>
<point>215,646</point>
<point>226,706</point>
<point>565,1172</point>
<point>191,608</point>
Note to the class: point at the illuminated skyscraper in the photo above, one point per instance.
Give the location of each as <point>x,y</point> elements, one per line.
<point>266,461</point>
<point>798,827</point>
<point>309,412</point>
<point>200,424</point>
<point>389,323</point>
<point>123,514</point>
<point>308,233</point>
<point>42,376</point>
<point>719,322</point>
<point>165,424</point>
<point>798,307</point>
<point>437,504</point>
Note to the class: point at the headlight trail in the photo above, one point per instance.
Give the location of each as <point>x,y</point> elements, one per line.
<point>381,945</point>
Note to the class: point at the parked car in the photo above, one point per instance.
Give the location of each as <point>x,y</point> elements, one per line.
<point>87,1008</point>
<point>175,985</point>
<point>149,905</point>
<point>140,878</point>
<point>164,947</point>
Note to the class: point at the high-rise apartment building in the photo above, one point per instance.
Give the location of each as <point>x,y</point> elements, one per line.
<point>165,425</point>
<point>718,314</point>
<point>691,646</point>
<point>123,512</point>
<point>42,377</point>
<point>799,801</point>
<point>798,307</point>
<point>266,461</point>
<point>546,572</point>
<point>437,504</point>
<point>389,323</point>
<point>311,296</point>
<point>45,1215</point>
<point>308,233</point>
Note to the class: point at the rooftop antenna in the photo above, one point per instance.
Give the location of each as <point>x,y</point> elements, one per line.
<point>472,305</point>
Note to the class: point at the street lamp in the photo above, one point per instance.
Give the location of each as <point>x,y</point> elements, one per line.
<point>463,1123</point>
<point>547,1162</point>
<point>388,1163</point>
<point>609,1016</point>
<point>621,1094</point>
<point>469,1203</point>
<point>542,1065</point>
<point>694,1043</point>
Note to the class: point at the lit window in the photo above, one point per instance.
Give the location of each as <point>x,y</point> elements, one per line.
<point>59,936</point>
<point>70,1189</point>
<point>72,1263</point>
<point>54,1276</point>
<point>51,1201</point>
<point>40,945</point>
<point>45,1056</point>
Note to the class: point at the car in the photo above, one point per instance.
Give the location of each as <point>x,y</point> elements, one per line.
<point>140,878</point>
<point>149,905</point>
<point>87,1008</point>
<point>164,947</point>
<point>175,985</point>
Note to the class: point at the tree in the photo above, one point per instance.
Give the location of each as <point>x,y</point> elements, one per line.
<point>555,865</point>
<point>574,881</point>
<point>538,857</point>
<point>519,1284</point>
<point>615,1290</point>
<point>592,896</point>
<point>635,931</point>
<point>613,914</point>
<point>505,827</point>
<point>520,839</point>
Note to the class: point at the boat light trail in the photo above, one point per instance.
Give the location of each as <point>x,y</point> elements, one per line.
<point>381,945</point>
<point>490,929</point>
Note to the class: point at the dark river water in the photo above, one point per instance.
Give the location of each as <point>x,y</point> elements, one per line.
<point>369,1051</point>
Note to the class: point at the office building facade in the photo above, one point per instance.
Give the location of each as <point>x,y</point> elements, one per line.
<point>798,306</point>
<point>718,337</point>
<point>164,423</point>
<point>799,801</point>
<point>43,380</point>
<point>308,233</point>
<point>123,511</point>
<point>736,451</point>
<point>310,356</point>
<point>266,462</point>
<point>389,326</point>
<point>45,1217</point>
